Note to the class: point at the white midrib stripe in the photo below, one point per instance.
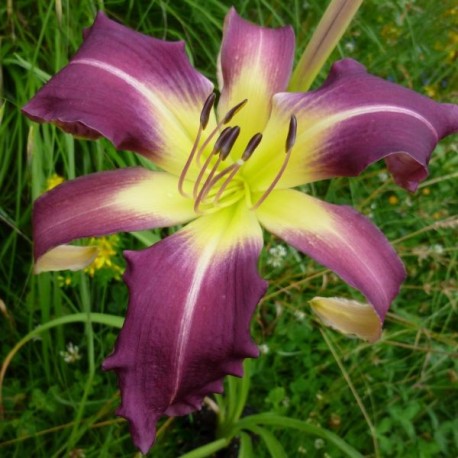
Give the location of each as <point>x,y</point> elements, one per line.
<point>188,312</point>
<point>134,83</point>
<point>332,120</point>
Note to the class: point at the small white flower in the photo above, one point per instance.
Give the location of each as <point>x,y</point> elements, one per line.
<point>319,443</point>
<point>437,248</point>
<point>383,176</point>
<point>277,254</point>
<point>263,348</point>
<point>72,354</point>
<point>299,315</point>
<point>350,46</point>
<point>286,402</point>
<point>302,450</point>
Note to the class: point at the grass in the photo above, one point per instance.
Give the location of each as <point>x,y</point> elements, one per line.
<point>396,398</point>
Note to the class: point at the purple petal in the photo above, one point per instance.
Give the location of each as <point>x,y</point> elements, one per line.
<point>139,92</point>
<point>353,120</point>
<point>254,63</point>
<point>191,299</point>
<point>103,203</point>
<point>339,238</point>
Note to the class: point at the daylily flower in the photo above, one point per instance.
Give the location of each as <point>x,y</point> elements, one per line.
<point>226,174</point>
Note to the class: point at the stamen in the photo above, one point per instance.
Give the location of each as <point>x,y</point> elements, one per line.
<point>292,131</point>
<point>290,141</point>
<point>227,145</point>
<point>234,168</point>
<point>206,110</point>
<point>224,150</point>
<point>233,111</point>
<point>221,139</point>
<point>226,118</point>
<point>204,117</point>
<point>249,150</point>
<point>216,149</point>
<point>252,145</point>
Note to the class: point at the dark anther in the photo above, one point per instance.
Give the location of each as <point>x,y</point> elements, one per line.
<point>252,145</point>
<point>206,110</point>
<point>231,113</point>
<point>221,139</point>
<point>291,138</point>
<point>229,142</point>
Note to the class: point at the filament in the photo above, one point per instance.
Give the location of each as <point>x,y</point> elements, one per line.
<point>216,149</point>
<point>290,141</point>
<point>204,117</point>
<point>224,148</point>
<point>249,150</point>
<point>226,118</point>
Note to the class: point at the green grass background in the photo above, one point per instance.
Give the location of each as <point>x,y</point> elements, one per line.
<point>397,398</point>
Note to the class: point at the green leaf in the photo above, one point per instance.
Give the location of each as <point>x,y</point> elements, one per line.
<point>208,449</point>
<point>246,446</point>
<point>148,238</point>
<point>101,318</point>
<point>276,450</point>
<point>237,393</point>
<point>285,422</point>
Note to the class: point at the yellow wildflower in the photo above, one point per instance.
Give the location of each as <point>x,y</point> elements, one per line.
<point>53,181</point>
<point>64,280</point>
<point>390,33</point>
<point>106,252</point>
<point>393,200</point>
<point>452,54</point>
<point>430,90</point>
<point>426,191</point>
<point>453,11</point>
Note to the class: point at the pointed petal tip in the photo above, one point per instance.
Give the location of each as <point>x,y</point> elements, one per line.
<point>233,13</point>
<point>143,436</point>
<point>111,363</point>
<point>349,317</point>
<point>349,66</point>
<point>452,114</point>
<point>255,60</point>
